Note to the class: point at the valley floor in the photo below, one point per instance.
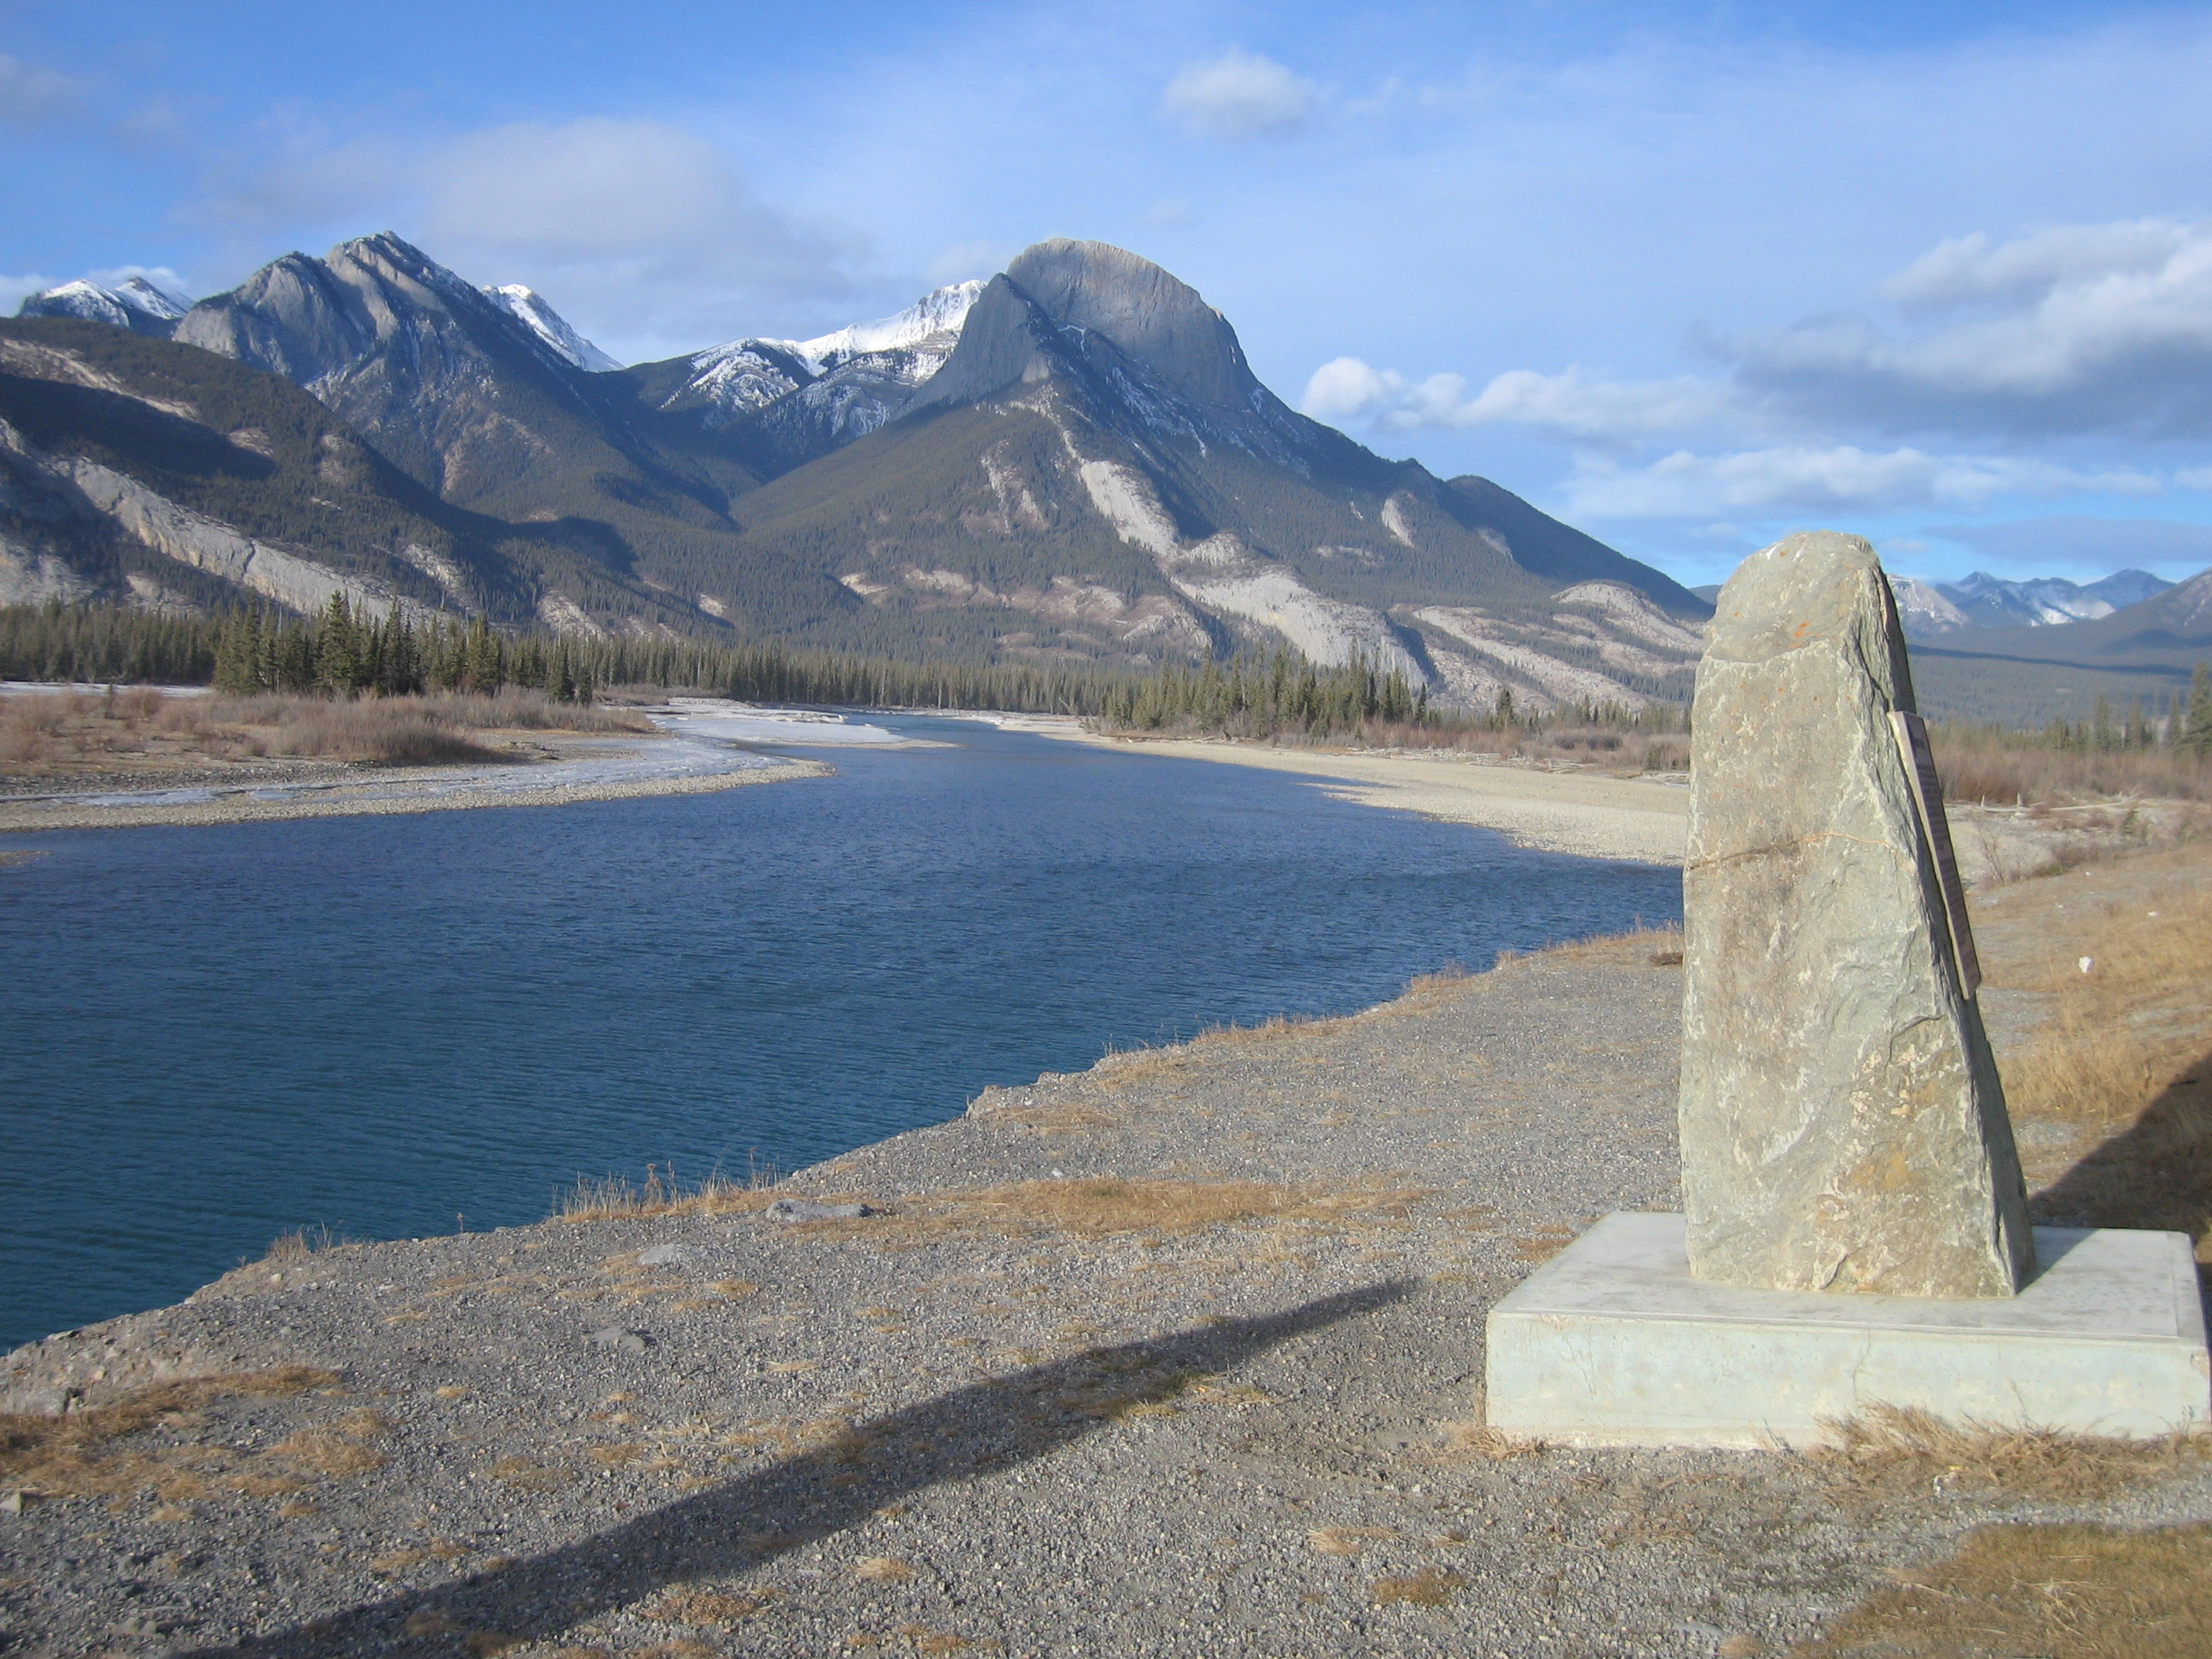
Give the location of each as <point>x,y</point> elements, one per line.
<point>1179,1356</point>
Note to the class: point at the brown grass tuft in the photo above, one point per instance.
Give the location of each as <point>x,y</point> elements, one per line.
<point>617,1197</point>
<point>1891,1450</point>
<point>525,1476</point>
<point>882,1569</point>
<point>1109,1207</point>
<point>1429,1588</point>
<point>1348,1541</point>
<point>1470,1441</point>
<point>689,1604</point>
<point>70,1456</point>
<point>2059,1592</point>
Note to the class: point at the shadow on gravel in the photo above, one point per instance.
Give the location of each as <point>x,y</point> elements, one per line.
<point>733,1528</point>
<point>2155,1173</point>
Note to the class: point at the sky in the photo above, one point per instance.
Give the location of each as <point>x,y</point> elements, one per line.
<point>1688,276</point>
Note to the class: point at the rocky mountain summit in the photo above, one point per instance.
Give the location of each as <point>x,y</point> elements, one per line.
<point>1936,610</point>
<point>1072,461</point>
<point>134,303</point>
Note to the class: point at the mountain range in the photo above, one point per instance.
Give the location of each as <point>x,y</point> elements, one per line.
<point>1072,461</point>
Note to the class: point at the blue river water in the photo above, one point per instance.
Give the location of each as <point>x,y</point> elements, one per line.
<point>387,1025</point>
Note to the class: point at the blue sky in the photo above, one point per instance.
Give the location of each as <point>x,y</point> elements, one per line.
<point>1690,276</point>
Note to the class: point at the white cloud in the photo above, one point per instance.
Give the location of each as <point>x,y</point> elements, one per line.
<point>161,275</point>
<point>637,213</point>
<point>14,290</point>
<point>2077,330</point>
<point>2074,329</point>
<point>1966,270</point>
<point>1571,404</point>
<point>1239,94</point>
<point>646,236</point>
<point>2175,549</point>
<point>1686,484</point>
<point>31,96</point>
<point>964,261</point>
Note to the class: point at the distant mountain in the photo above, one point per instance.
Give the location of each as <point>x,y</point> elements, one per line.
<point>1094,469</point>
<point>1936,610</point>
<point>142,472</point>
<point>527,306</point>
<point>135,303</point>
<point>1071,462</point>
<point>784,403</point>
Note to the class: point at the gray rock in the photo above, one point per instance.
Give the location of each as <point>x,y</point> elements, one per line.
<point>663,1255</point>
<point>621,1340</point>
<point>805,1209</point>
<point>1843,1126</point>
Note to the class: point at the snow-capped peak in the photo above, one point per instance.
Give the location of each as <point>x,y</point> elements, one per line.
<point>529,309</point>
<point>936,312</point>
<point>95,302</point>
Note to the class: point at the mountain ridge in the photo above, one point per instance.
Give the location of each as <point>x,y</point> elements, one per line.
<point>1072,460</point>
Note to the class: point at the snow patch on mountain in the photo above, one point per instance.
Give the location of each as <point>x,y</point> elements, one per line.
<point>135,303</point>
<point>527,306</point>
<point>942,310</point>
<point>1924,610</point>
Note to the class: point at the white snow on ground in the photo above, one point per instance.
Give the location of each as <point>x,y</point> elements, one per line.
<point>744,723</point>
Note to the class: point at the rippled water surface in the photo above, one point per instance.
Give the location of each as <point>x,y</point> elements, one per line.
<point>209,1036</point>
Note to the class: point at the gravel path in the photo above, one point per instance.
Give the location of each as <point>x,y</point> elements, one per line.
<point>1178,1356</point>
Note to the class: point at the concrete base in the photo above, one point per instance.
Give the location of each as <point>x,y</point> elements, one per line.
<point>1612,1343</point>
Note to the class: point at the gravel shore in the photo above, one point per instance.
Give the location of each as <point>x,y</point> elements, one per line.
<point>252,794</point>
<point>1178,1356</point>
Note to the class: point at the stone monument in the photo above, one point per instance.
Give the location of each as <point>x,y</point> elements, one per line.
<point>1856,1230</point>
<point>1843,1124</point>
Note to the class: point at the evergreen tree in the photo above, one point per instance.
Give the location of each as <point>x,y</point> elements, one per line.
<point>338,656</point>
<point>2200,712</point>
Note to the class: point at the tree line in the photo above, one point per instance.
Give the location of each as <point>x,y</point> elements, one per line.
<point>348,650</point>
<point>2165,720</point>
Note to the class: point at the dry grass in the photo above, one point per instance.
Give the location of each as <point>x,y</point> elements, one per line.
<point>141,730</point>
<point>1470,1443</point>
<point>1890,1451</point>
<point>1108,1207</point>
<point>1348,1541</point>
<point>76,1455</point>
<point>1638,947</point>
<point>2056,1592</point>
<point>613,1198</point>
<point>882,1569</point>
<point>2125,1054</point>
<point>692,1604</point>
<point>525,1476</point>
<point>2003,767</point>
<point>1429,1588</point>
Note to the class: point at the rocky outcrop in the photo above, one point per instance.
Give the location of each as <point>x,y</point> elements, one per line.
<point>292,579</point>
<point>1842,1125</point>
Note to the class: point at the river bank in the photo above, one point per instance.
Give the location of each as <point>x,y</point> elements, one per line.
<point>693,746</point>
<point>1177,1355</point>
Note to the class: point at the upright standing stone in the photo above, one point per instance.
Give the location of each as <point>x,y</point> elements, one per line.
<point>1842,1125</point>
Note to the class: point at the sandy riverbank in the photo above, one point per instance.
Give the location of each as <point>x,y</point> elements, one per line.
<point>1590,814</point>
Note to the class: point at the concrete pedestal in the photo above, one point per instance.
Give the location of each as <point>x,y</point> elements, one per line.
<point>1612,1343</point>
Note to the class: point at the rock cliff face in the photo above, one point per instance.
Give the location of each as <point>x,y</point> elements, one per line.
<point>1842,1123</point>
<point>1073,461</point>
<point>447,381</point>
